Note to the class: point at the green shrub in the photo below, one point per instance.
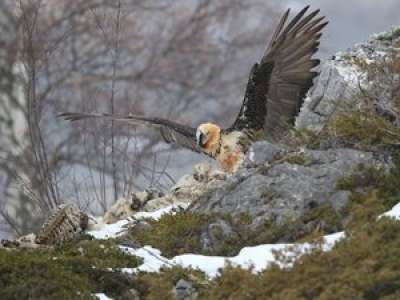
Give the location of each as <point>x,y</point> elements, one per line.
<point>368,182</point>
<point>173,234</point>
<point>74,270</point>
<point>36,275</point>
<point>363,129</point>
<point>181,233</point>
<point>365,266</point>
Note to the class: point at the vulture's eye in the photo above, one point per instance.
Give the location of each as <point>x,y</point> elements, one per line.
<point>201,137</point>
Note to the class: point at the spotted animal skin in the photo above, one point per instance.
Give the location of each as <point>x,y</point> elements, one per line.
<point>64,224</point>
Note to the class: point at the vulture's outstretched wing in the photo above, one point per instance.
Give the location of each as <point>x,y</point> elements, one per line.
<point>172,132</point>
<point>278,84</point>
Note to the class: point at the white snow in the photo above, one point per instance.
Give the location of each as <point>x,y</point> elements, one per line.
<point>393,213</point>
<point>257,257</point>
<point>103,231</point>
<point>332,239</point>
<point>102,296</point>
<point>156,214</point>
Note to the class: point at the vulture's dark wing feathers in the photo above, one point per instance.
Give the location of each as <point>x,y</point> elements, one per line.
<point>278,84</point>
<point>172,132</point>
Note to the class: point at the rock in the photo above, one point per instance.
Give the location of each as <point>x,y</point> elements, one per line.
<point>262,152</point>
<point>206,173</point>
<point>340,80</point>
<point>25,241</point>
<point>217,233</point>
<point>190,187</point>
<point>184,290</point>
<point>332,87</point>
<point>119,210</point>
<point>161,202</point>
<point>124,208</point>
<point>131,294</point>
<point>143,197</point>
<point>285,191</point>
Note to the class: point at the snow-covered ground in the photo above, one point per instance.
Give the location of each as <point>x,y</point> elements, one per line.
<point>258,257</point>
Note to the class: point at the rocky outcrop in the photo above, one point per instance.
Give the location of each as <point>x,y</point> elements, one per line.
<point>284,188</point>
<point>365,69</point>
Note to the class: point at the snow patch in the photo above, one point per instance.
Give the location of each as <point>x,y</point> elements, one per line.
<point>257,257</point>
<point>103,231</point>
<point>102,296</point>
<point>393,213</point>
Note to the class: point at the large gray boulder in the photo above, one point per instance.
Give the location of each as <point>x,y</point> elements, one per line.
<point>286,188</point>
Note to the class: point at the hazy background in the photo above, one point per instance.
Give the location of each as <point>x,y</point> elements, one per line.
<point>352,21</point>
<point>186,60</point>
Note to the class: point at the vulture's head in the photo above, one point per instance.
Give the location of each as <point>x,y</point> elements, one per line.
<point>208,137</point>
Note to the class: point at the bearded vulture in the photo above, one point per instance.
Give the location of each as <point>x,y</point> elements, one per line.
<point>274,94</point>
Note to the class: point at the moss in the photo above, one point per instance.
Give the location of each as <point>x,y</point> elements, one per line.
<point>182,232</point>
<point>297,159</point>
<point>173,234</point>
<point>356,268</point>
<point>245,218</point>
<point>366,180</point>
<point>80,266</point>
<point>362,129</point>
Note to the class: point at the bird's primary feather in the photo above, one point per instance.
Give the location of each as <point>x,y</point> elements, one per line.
<point>172,132</point>
<point>278,84</point>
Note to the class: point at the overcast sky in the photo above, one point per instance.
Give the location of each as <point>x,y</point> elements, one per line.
<point>352,21</point>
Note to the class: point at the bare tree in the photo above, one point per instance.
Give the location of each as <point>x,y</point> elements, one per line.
<point>165,58</point>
